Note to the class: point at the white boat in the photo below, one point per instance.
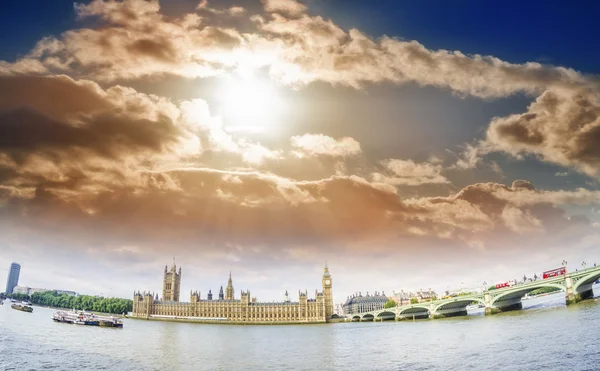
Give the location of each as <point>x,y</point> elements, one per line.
<point>89,319</point>
<point>475,306</point>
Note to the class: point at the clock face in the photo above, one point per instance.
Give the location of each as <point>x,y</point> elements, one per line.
<point>327,282</point>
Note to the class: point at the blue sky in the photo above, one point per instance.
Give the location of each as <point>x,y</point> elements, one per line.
<point>268,136</point>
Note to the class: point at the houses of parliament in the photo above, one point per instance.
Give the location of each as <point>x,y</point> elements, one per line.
<point>227,308</point>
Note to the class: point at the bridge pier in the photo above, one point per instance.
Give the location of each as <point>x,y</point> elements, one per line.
<point>575,298</point>
<point>487,299</point>
<point>502,306</point>
<point>506,308</point>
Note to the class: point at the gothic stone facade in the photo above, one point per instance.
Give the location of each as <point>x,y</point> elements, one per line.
<point>229,309</point>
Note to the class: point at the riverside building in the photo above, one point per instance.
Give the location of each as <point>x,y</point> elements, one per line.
<point>228,308</point>
<point>359,304</point>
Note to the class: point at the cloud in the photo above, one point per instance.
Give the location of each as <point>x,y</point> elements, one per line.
<point>91,167</point>
<point>409,173</point>
<point>560,127</point>
<point>138,41</point>
<point>288,7</point>
<point>520,221</point>
<point>234,11</point>
<point>114,123</point>
<point>314,49</point>
<point>322,145</point>
<point>488,208</point>
<point>98,138</point>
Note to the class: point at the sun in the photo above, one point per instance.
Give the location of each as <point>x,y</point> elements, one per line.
<point>249,103</point>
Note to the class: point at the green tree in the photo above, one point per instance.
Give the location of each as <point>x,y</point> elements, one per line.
<point>544,290</point>
<point>414,300</point>
<point>82,302</point>
<point>390,304</point>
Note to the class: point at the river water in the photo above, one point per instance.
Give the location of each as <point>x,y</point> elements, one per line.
<point>546,335</point>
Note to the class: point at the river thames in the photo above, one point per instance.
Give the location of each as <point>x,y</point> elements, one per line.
<point>545,335</point>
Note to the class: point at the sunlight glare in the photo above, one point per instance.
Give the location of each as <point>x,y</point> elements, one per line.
<point>249,104</point>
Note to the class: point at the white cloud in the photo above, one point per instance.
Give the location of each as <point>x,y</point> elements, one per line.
<point>322,145</point>
<point>409,173</point>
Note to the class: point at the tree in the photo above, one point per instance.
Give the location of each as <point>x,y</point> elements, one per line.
<point>414,300</point>
<point>17,296</point>
<point>82,302</point>
<point>390,304</point>
<point>544,290</point>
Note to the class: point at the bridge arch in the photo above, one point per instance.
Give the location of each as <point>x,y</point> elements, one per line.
<point>367,317</point>
<point>518,292</point>
<point>386,315</point>
<point>459,303</point>
<point>419,311</point>
<point>356,318</point>
<point>586,280</point>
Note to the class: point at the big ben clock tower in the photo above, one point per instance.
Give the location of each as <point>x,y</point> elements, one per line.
<point>327,293</point>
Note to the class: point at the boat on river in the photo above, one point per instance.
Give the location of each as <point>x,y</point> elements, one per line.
<point>87,319</point>
<point>22,307</point>
<point>475,306</point>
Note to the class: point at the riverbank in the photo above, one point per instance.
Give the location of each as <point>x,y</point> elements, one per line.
<point>221,322</point>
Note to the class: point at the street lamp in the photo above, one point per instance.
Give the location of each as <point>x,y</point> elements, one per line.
<point>583,264</point>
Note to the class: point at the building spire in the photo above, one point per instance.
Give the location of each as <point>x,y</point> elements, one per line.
<point>326,273</point>
<point>229,291</point>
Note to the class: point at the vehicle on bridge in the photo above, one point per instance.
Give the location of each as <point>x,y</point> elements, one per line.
<point>555,272</point>
<point>504,284</point>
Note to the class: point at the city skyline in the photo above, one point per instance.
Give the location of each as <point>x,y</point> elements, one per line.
<point>265,137</point>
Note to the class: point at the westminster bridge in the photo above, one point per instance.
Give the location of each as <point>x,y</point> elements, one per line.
<point>577,286</point>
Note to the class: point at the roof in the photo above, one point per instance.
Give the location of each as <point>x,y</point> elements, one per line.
<point>366,299</point>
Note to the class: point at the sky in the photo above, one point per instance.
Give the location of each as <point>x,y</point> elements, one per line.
<point>410,145</point>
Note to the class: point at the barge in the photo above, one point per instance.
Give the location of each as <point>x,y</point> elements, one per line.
<point>22,307</point>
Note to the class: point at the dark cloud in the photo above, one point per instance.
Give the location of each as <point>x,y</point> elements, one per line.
<point>160,49</point>
<point>25,131</point>
<point>523,184</point>
<point>55,96</point>
<point>561,126</point>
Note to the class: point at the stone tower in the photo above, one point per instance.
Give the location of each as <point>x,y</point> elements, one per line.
<point>327,293</point>
<point>171,283</point>
<point>229,290</point>
<point>221,296</point>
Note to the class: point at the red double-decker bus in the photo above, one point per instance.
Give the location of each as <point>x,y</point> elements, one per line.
<point>503,284</point>
<point>555,272</point>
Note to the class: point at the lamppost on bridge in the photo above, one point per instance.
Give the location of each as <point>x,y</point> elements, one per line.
<point>583,264</point>
<point>564,264</point>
